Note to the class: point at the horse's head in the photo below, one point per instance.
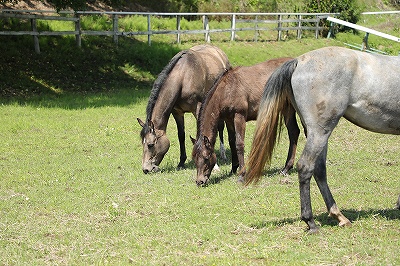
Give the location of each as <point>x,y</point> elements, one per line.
<point>204,158</point>
<point>155,146</point>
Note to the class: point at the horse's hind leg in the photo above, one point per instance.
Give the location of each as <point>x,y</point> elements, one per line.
<point>398,203</point>
<point>320,177</point>
<point>293,132</point>
<point>222,150</point>
<point>312,162</point>
<point>180,124</point>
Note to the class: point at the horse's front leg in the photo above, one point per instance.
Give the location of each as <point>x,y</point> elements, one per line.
<point>240,129</point>
<point>222,150</point>
<point>180,124</point>
<point>320,177</point>
<point>232,144</point>
<point>398,203</point>
<point>315,145</point>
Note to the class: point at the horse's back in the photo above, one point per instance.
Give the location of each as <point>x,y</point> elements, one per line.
<point>364,88</point>
<point>195,73</point>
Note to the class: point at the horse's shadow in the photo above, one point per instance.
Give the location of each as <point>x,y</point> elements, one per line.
<point>324,220</point>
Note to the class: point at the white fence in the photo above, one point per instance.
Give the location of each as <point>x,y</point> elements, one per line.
<point>279,22</point>
<point>364,46</point>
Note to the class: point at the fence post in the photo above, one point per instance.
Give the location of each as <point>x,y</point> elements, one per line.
<point>299,25</point>
<point>35,36</point>
<point>78,37</point>
<point>331,30</point>
<point>178,28</point>
<point>148,30</point>
<point>255,29</point>
<point>279,27</point>
<point>365,42</point>
<point>233,27</point>
<point>207,28</point>
<point>317,27</point>
<point>115,28</point>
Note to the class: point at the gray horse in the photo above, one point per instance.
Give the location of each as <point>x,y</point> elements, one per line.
<point>323,86</point>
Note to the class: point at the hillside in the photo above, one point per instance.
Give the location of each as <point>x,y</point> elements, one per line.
<point>155,6</point>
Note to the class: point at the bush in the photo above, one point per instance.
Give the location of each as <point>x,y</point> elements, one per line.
<point>348,9</point>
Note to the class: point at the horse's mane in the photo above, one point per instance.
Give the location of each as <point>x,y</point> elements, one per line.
<point>224,75</point>
<point>155,91</point>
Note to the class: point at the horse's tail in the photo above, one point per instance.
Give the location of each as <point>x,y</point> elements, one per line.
<point>274,101</point>
<point>158,83</point>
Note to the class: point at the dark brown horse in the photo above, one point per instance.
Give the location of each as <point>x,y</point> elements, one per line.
<point>235,98</point>
<point>179,88</point>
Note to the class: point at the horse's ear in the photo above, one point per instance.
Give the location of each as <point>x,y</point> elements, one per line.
<point>193,140</point>
<point>207,143</point>
<point>141,123</point>
<point>151,126</point>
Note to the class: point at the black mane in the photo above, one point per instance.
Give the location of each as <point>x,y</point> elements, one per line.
<point>207,98</point>
<point>155,91</point>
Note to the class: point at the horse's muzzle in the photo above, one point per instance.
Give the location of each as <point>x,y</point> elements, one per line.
<point>153,168</point>
<point>202,182</point>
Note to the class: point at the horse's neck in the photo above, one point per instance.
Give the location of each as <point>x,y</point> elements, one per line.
<point>162,108</point>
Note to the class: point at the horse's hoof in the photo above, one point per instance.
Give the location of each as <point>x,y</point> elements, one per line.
<point>180,167</point>
<point>313,231</point>
<point>345,224</point>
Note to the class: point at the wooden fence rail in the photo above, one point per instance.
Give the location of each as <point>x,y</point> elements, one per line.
<point>279,22</point>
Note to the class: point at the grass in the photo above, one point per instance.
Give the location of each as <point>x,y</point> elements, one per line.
<point>73,192</point>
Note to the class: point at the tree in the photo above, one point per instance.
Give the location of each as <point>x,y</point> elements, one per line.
<point>73,4</point>
<point>348,9</point>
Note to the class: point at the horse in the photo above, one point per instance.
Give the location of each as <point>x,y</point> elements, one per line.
<point>324,85</point>
<point>178,89</point>
<point>235,98</point>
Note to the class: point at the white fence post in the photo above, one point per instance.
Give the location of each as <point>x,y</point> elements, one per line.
<point>299,30</point>
<point>233,27</point>
<point>206,26</point>
<point>35,36</point>
<point>78,30</point>
<point>115,28</point>
<point>148,30</point>
<point>279,27</point>
<point>178,28</point>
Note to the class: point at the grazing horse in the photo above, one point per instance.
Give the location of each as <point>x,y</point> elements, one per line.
<point>324,85</point>
<point>235,98</point>
<point>179,88</point>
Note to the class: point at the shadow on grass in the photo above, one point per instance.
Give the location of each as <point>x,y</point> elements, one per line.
<point>97,74</point>
<point>324,220</point>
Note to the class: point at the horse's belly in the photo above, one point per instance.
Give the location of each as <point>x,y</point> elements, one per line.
<point>384,120</point>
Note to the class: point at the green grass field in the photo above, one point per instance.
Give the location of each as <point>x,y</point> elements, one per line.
<point>72,191</point>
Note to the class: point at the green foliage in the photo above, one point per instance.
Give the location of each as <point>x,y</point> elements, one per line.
<point>238,6</point>
<point>348,9</point>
